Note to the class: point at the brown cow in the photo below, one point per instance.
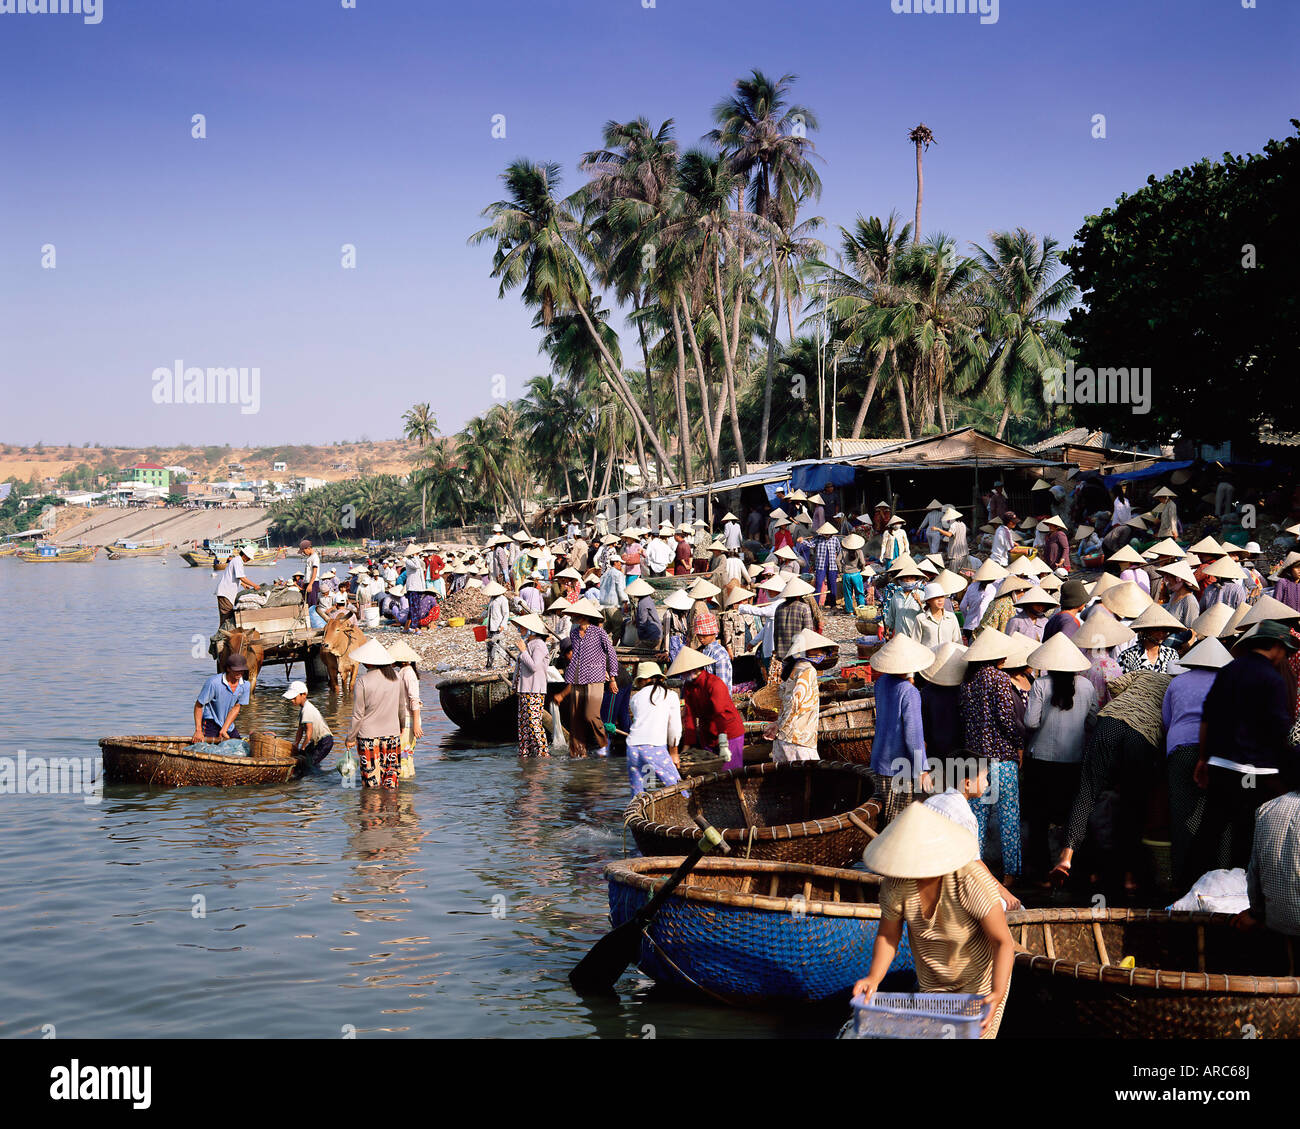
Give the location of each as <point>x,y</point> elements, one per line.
<point>250,643</point>
<point>342,636</point>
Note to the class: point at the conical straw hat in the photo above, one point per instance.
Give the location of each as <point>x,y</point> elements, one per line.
<point>775,583</point>
<point>809,640</point>
<point>1182,570</point>
<point>371,653</point>
<point>902,655</point>
<point>1127,555</point>
<point>826,529</point>
<point>1050,583</point>
<point>703,590</point>
<point>1208,654</point>
<point>587,610</point>
<point>1101,631</point>
<point>935,504</point>
<point>1126,599</point>
<point>679,601</point>
<point>1036,595</point>
<point>738,596</point>
<point>1234,624</point>
<point>948,667</point>
<point>493,589</point>
<point>1287,561</point>
<point>1021,567</point>
<point>989,570</point>
<point>1268,608</point>
<point>795,587</point>
<point>1103,584</point>
<point>1164,492</point>
<point>729,516</point>
<point>559,604</point>
<point>1040,484</point>
<point>950,582</point>
<point>688,659</point>
<point>1013,584</point>
<point>1167,548</point>
<point>1083,532</point>
<point>904,560</point>
<point>402,652</point>
<point>1059,654</point>
<point>1225,568</point>
<point>1207,546</point>
<point>1211,623</point>
<point>1156,618</point>
<point>1038,566</point>
<point>639,587</point>
<point>853,541</point>
<point>1022,646</point>
<point>920,843</point>
<point>989,646</point>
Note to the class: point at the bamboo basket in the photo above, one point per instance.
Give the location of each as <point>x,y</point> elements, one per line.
<point>267,746</point>
<point>166,762</point>
<point>807,812</point>
<point>1194,976</point>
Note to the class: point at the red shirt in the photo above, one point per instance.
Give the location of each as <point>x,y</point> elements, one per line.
<point>784,538</point>
<point>684,554</point>
<point>709,711</point>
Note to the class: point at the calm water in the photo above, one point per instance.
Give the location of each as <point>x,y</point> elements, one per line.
<point>295,910</point>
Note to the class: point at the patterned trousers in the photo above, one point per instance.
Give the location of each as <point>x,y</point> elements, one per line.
<point>532,735</point>
<point>1004,783</point>
<point>894,793</point>
<point>650,765</point>
<point>380,757</point>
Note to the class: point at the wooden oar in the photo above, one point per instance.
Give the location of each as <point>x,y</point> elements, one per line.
<point>598,971</point>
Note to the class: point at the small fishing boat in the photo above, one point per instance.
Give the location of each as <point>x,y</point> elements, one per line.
<point>123,550</point>
<point>481,702</point>
<point>808,812</point>
<point>846,729</point>
<point>1149,974</point>
<point>8,550</point>
<point>216,555</point>
<point>753,932</point>
<point>166,762</point>
<point>44,552</point>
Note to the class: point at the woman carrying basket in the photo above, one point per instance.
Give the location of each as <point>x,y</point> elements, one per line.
<point>956,925</point>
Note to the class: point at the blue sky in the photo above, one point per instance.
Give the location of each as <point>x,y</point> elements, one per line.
<point>372,126</point>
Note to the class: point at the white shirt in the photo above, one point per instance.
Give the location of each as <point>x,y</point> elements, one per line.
<point>931,632</point>
<point>731,535</point>
<point>231,575</point>
<point>657,555</point>
<point>1003,542</point>
<point>414,574</point>
<point>657,723</point>
<point>310,715</point>
<point>498,613</point>
<point>1121,512</point>
<point>313,566</point>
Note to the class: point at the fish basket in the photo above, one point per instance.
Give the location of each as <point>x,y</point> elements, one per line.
<point>918,1015</point>
<point>267,746</point>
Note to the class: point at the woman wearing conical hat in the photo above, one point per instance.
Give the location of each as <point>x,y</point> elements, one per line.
<point>378,700</point>
<point>710,719</point>
<point>898,751</point>
<point>794,733</point>
<point>956,925</point>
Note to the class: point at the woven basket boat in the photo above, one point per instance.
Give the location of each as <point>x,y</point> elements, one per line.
<point>809,812</point>
<point>845,731</point>
<point>753,932</point>
<point>165,762</point>
<point>1195,976</point>
<point>481,702</point>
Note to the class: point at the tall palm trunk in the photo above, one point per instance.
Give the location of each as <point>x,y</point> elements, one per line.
<point>679,389</point>
<point>868,395</point>
<point>1006,415</point>
<point>624,393</point>
<point>771,353</point>
<point>728,359</point>
<point>702,379</point>
<point>902,402</point>
<point>920,193</point>
<point>652,409</point>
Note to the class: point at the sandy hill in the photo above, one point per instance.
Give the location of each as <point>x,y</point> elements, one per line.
<point>338,461</point>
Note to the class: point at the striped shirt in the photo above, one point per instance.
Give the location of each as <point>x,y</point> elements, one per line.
<point>791,618</point>
<point>1274,864</point>
<point>593,659</point>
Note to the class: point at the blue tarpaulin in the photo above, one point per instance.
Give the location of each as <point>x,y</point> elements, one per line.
<point>1147,472</point>
<point>812,478</point>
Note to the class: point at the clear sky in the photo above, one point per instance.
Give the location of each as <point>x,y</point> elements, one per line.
<point>373,126</point>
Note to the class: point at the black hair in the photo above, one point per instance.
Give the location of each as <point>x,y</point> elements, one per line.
<point>657,683</point>
<point>961,766</point>
<point>1063,689</point>
<point>389,672</point>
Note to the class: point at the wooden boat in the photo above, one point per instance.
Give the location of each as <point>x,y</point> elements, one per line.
<point>482,702</point>
<point>809,812</point>
<point>755,932</point>
<point>8,550</point>
<point>123,550</point>
<point>1194,976</point>
<point>216,555</point>
<point>46,553</point>
<point>165,762</point>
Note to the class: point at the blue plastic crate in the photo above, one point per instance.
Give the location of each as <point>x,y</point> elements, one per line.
<point>918,1015</point>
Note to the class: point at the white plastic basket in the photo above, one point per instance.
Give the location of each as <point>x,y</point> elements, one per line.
<point>919,1015</point>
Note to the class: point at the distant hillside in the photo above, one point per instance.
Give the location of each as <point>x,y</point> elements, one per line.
<point>344,460</point>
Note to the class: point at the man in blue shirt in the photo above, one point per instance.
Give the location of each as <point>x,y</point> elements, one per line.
<point>218,702</point>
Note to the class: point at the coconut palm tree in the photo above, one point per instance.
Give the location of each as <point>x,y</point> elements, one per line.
<point>922,136</point>
<point>539,247</point>
<point>765,141</point>
<point>419,424</point>
<point>1025,294</point>
<point>861,296</point>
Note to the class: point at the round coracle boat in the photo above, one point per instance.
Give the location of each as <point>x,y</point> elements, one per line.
<point>167,762</point>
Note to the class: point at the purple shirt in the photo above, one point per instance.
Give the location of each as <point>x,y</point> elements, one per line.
<point>1021,624</point>
<point>900,735</point>
<point>532,599</point>
<point>1067,622</point>
<point>593,659</point>
<point>1288,592</point>
<point>1181,709</point>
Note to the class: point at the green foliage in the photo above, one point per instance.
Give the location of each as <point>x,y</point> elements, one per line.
<point>1166,284</point>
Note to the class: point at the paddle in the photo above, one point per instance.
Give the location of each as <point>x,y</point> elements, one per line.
<point>597,972</point>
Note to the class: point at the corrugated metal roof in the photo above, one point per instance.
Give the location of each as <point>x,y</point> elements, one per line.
<point>841,448</point>
<point>1075,437</point>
